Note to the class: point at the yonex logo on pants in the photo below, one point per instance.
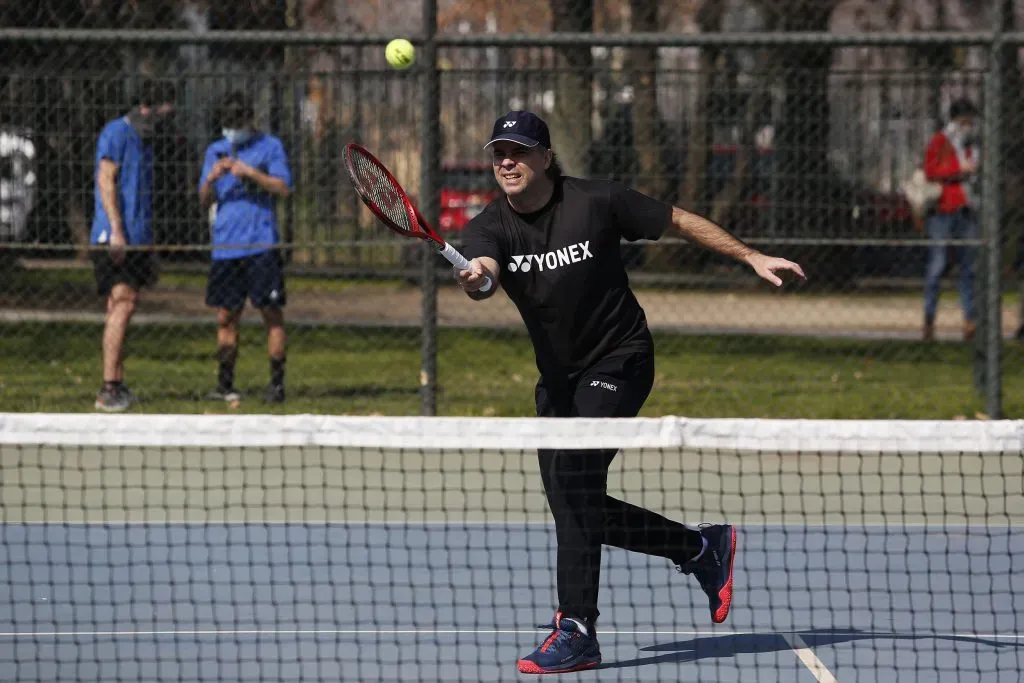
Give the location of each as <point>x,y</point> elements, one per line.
<point>552,259</point>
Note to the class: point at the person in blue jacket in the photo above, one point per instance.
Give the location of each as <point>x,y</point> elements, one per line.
<point>122,226</point>
<point>244,173</point>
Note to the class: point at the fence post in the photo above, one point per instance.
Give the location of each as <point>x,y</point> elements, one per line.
<point>430,122</point>
<point>991,210</point>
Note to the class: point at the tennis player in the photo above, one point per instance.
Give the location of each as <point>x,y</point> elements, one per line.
<point>552,242</point>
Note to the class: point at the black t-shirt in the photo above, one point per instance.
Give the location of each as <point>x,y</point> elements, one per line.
<point>562,268</point>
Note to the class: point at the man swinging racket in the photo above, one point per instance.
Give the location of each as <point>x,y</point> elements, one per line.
<point>553,243</point>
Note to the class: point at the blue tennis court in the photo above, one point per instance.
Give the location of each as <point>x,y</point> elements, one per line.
<point>453,602</point>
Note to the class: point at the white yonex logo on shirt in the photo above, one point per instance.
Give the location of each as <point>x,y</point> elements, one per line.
<point>604,385</point>
<point>509,124</point>
<point>552,259</point>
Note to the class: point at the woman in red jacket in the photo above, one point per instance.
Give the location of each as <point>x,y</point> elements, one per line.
<point>952,160</point>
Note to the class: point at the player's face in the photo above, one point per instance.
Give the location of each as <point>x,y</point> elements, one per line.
<point>516,167</point>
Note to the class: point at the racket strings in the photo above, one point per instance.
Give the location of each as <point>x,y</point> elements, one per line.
<point>380,189</point>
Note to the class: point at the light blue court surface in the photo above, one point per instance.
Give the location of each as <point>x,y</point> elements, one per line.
<point>431,602</point>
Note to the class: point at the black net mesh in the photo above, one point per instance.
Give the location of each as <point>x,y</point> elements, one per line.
<point>322,549</point>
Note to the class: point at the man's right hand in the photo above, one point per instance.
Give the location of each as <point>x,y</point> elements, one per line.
<point>117,246</point>
<point>222,167</point>
<point>969,167</point>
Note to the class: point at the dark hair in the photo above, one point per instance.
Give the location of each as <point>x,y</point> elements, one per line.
<point>152,93</point>
<point>554,170</point>
<point>236,111</point>
<point>962,107</point>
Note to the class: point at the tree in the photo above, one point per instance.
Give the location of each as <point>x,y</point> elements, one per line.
<point>1013,146</point>
<point>646,120</point>
<point>693,194</point>
<point>570,122</point>
<point>801,160</point>
<point>803,133</point>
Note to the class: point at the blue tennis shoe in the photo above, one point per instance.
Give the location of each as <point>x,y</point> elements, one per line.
<point>713,569</point>
<point>568,648</point>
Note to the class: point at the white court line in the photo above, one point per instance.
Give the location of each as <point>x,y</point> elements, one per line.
<point>791,637</point>
<point>810,660</point>
<point>773,525</point>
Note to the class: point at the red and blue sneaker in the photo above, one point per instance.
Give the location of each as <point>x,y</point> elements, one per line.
<point>570,647</point>
<point>713,568</point>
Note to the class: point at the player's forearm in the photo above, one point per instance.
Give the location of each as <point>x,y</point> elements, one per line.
<point>206,195</point>
<point>108,197</point>
<point>703,232</point>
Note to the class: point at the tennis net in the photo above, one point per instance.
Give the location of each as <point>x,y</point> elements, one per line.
<point>309,548</point>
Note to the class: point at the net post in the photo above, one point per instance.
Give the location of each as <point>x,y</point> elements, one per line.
<point>430,122</point>
<point>989,343</point>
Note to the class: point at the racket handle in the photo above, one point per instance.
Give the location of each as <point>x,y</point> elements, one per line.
<point>460,262</point>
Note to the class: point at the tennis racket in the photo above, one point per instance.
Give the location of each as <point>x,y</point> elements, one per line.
<point>388,201</point>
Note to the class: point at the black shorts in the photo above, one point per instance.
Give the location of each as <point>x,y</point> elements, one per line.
<point>616,386</point>
<point>260,277</point>
<point>138,270</point>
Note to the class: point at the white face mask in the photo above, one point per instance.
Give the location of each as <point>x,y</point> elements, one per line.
<point>963,134</point>
<point>237,136</point>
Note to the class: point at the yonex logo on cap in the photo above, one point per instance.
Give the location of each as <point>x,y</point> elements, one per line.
<point>552,259</point>
<point>509,124</point>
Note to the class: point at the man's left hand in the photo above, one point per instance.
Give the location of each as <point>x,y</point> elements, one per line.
<point>767,266</point>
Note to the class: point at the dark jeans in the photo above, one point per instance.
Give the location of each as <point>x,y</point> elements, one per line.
<point>576,483</point>
<point>962,225</point>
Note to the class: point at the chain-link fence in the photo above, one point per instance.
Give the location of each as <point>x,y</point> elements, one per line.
<point>792,129</point>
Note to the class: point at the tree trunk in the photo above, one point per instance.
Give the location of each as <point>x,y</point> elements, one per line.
<point>802,137</point>
<point>693,193</point>
<point>571,121</point>
<point>651,179</point>
<point>1013,148</point>
<point>1013,97</point>
<point>756,103</point>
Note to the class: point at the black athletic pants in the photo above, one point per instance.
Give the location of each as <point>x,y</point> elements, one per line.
<point>576,483</point>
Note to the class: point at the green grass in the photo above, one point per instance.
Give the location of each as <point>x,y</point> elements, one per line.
<point>55,368</point>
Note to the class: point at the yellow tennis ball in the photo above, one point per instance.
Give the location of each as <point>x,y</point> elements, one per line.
<point>400,53</point>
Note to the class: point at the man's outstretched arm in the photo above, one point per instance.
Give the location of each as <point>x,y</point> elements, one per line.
<point>703,232</point>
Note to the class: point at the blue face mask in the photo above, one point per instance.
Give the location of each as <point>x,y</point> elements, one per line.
<point>237,136</point>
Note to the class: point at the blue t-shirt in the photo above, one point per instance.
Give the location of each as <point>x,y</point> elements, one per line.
<point>245,213</point>
<point>123,145</point>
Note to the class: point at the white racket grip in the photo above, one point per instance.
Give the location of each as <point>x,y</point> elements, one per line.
<point>460,262</point>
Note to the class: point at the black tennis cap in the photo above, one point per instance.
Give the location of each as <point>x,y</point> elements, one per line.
<point>523,127</point>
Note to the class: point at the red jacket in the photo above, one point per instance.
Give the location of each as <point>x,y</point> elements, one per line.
<point>941,165</point>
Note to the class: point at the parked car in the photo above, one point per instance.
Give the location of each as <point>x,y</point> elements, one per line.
<point>814,222</point>
<point>820,223</point>
<point>465,190</point>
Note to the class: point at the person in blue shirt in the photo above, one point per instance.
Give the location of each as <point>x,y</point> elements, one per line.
<point>244,173</point>
<point>122,226</point>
